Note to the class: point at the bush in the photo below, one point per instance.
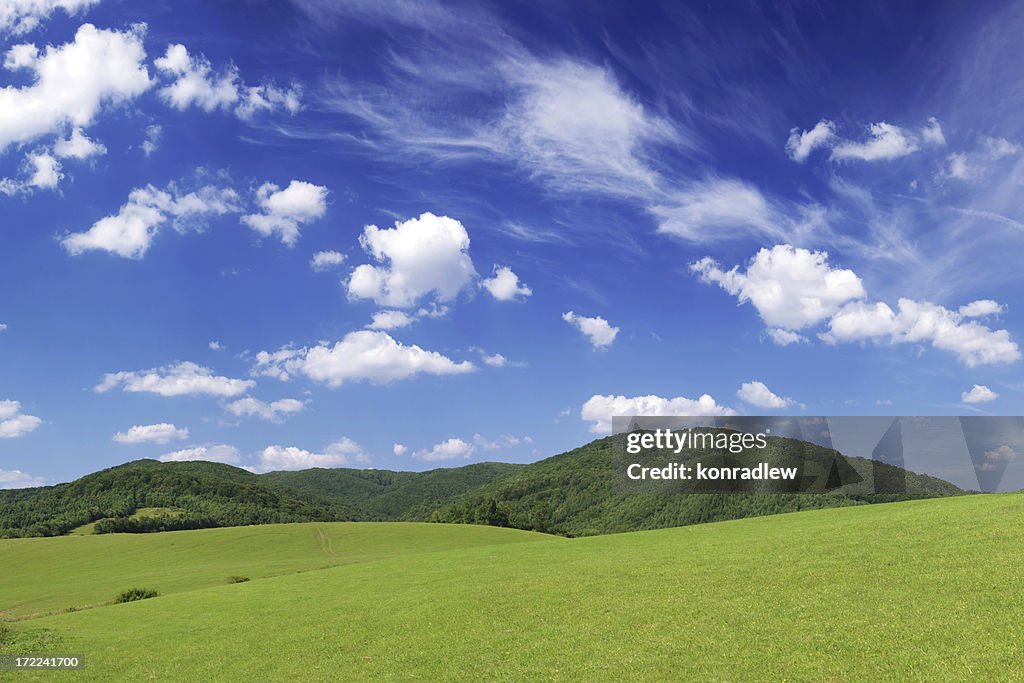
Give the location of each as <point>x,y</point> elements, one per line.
<point>136,594</point>
<point>237,579</point>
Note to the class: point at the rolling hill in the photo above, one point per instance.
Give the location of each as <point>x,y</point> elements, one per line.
<point>922,590</point>
<point>569,494</point>
<point>210,494</point>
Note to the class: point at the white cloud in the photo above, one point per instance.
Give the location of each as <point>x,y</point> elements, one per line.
<point>979,393</point>
<point>399,449</point>
<point>71,83</point>
<point>390,320</point>
<point>130,232</point>
<point>212,453</point>
<point>597,329</point>
<point>918,322</point>
<point>418,257</point>
<point>214,346</point>
<point>16,479</point>
<point>782,337</point>
<point>495,360</point>
<point>932,133</point>
<point>22,16</point>
<point>183,379</point>
<point>791,288</point>
<point>757,394</point>
<point>341,453</point>
<point>503,441</point>
<point>325,260</point>
<point>801,143</point>
<point>78,146</point>
<point>14,423</point>
<point>449,449</point>
<point>154,133</point>
<point>573,124</point>
<point>285,211</point>
<point>505,285</point>
<point>981,309</point>
<point>268,98</point>
<point>715,209</point>
<point>600,409</point>
<point>45,170</point>
<point>976,164</point>
<point>195,83</point>
<point>271,412</point>
<point>155,433</point>
<point>886,142</point>
<point>365,355</point>
<point>3,327</point>
<point>40,171</point>
<point>996,457</point>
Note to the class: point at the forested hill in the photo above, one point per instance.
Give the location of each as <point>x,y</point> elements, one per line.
<point>201,494</point>
<point>569,494</point>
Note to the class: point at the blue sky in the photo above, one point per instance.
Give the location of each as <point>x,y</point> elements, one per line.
<point>404,235</point>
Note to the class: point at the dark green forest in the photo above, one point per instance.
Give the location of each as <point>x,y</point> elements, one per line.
<point>569,494</point>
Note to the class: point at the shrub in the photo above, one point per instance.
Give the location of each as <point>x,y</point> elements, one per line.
<point>237,579</point>
<point>136,594</point>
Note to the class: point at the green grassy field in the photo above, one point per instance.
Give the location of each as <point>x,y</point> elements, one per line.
<point>45,575</point>
<point>927,590</point>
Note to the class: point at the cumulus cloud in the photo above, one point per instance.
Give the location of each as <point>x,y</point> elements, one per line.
<point>78,146</point>
<point>3,327</point>
<point>885,141</point>
<point>599,409</point>
<point>325,260</point>
<point>979,393</point>
<point>505,285</point>
<point>366,355</point>
<point>801,143</point>
<point>782,337</point>
<point>183,379</point>
<point>597,329</point>
<point>130,232</point>
<point>16,479</point>
<point>449,449</point>
<point>390,320</point>
<point>419,257</point>
<point>13,422</point>
<point>791,288</point>
<point>21,16</point>
<point>997,457</point>
<point>71,83</point>
<point>154,134</point>
<point>193,82</point>
<point>274,411</point>
<point>155,433</point>
<point>918,322</point>
<point>759,395</point>
<point>40,171</point>
<point>214,345</point>
<point>341,453</point>
<point>981,309</point>
<point>212,453</point>
<point>285,211</point>
<point>399,449</point>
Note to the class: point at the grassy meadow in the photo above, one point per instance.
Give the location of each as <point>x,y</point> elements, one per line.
<point>929,590</point>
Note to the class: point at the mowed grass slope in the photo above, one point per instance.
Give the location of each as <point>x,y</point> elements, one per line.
<point>927,590</point>
<point>43,575</point>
